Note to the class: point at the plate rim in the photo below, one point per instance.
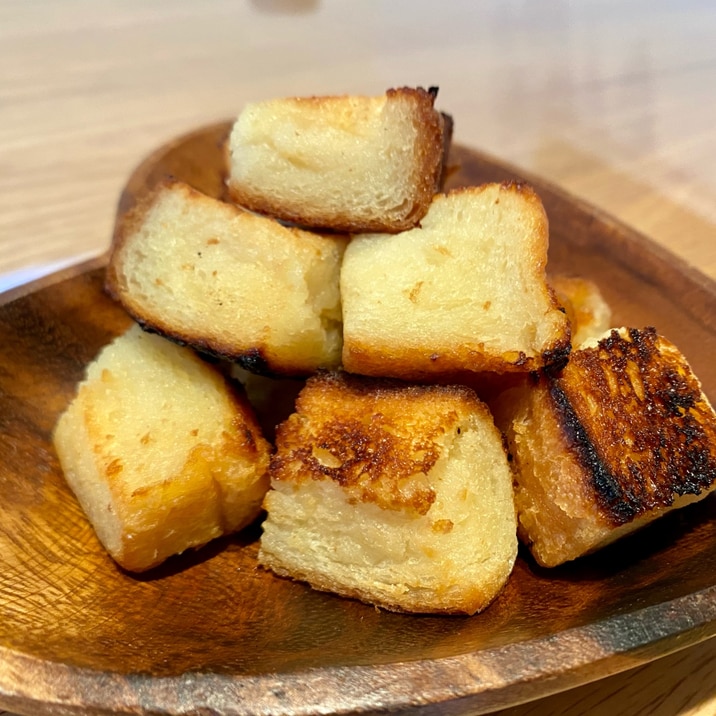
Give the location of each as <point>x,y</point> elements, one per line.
<point>692,616</point>
<point>226,694</point>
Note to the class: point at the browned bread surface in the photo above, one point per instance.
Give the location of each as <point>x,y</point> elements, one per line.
<point>228,282</point>
<point>399,495</point>
<point>464,291</point>
<point>589,314</point>
<point>345,163</point>
<point>162,453</point>
<point>617,438</point>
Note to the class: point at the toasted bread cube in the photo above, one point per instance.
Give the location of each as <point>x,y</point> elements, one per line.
<point>589,314</point>
<point>228,282</point>
<point>346,163</point>
<point>161,452</point>
<point>619,437</point>
<point>395,494</point>
<point>465,291</point>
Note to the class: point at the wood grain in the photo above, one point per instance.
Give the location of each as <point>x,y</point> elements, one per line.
<point>611,101</point>
<point>210,630</point>
<point>661,688</point>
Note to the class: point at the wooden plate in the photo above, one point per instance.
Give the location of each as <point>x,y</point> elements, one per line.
<point>209,632</point>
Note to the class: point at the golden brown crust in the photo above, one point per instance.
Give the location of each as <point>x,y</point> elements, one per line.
<point>473,599</point>
<point>450,364</point>
<point>614,440</point>
<point>446,168</point>
<point>665,443</point>
<point>361,433</point>
<point>396,494</point>
<point>427,174</point>
<point>429,154</point>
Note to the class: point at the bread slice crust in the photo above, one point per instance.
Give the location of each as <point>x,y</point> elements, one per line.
<point>667,447</point>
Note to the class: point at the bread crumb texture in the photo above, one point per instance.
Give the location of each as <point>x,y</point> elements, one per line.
<point>617,438</point>
<point>399,495</point>
<point>464,291</point>
<point>346,163</point>
<point>161,452</point>
<point>228,282</point>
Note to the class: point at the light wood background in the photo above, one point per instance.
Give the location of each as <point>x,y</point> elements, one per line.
<point>614,101</point>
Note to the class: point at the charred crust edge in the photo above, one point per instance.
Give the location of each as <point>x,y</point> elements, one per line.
<point>255,362</point>
<point>556,358</point>
<point>252,360</point>
<point>610,496</point>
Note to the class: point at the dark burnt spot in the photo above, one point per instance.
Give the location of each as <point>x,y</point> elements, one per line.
<point>521,359</point>
<point>606,486</point>
<point>637,421</point>
<point>674,399</point>
<point>556,357</point>
<point>249,439</point>
<point>154,329</point>
<point>378,439</point>
<point>369,462</point>
<point>254,362</point>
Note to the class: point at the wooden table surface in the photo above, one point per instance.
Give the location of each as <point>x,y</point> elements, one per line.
<point>615,102</point>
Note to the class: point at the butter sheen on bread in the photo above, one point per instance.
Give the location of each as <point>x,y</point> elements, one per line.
<point>398,495</point>
<point>228,282</point>
<point>161,452</point>
<point>345,163</point>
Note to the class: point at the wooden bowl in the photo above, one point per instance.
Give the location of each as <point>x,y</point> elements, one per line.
<point>210,632</point>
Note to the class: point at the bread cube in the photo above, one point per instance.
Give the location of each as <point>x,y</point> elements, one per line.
<point>464,291</point>
<point>589,314</point>
<point>395,494</point>
<point>346,163</point>
<point>622,435</point>
<point>162,453</point>
<point>228,282</point>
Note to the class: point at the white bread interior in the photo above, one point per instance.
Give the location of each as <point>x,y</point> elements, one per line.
<point>229,282</point>
<point>464,291</point>
<point>347,163</point>
<point>161,452</point>
<point>400,496</point>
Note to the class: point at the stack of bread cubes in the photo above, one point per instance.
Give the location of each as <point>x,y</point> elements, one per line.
<point>452,399</point>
